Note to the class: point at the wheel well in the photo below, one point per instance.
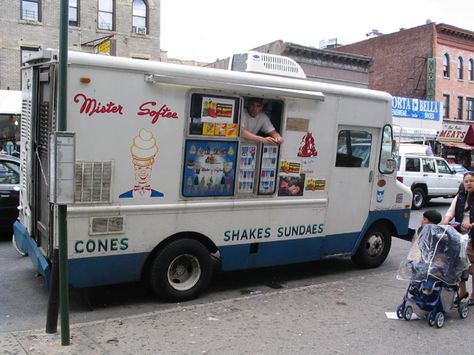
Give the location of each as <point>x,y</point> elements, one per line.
<point>387,223</point>
<point>201,238</point>
<point>422,186</point>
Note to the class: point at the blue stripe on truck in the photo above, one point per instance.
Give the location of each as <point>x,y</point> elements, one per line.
<point>112,269</point>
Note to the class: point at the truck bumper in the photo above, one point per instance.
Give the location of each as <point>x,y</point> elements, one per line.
<point>28,245</point>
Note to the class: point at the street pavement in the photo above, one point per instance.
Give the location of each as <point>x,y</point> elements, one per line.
<point>339,317</point>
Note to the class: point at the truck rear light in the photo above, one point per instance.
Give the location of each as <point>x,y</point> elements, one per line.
<point>400,178</point>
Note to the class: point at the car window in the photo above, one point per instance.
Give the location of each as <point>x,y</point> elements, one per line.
<point>443,167</point>
<point>428,165</point>
<point>9,173</point>
<point>353,149</point>
<point>412,164</point>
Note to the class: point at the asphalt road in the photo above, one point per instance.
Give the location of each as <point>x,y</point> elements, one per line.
<point>24,296</point>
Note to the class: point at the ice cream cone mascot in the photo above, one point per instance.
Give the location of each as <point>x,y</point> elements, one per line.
<point>143,151</point>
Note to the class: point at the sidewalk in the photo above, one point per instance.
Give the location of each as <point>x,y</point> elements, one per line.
<point>332,318</point>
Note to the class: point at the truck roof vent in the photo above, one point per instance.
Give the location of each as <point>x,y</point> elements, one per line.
<point>263,63</point>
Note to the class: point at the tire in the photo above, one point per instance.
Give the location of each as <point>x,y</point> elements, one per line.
<point>419,198</point>
<point>463,310</point>
<point>373,248</point>
<point>439,319</point>
<point>431,318</point>
<point>181,270</point>
<point>400,310</point>
<point>15,246</point>
<point>407,312</point>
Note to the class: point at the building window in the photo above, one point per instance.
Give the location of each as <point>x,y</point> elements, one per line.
<point>446,65</point>
<point>74,13</point>
<point>460,68</point>
<point>445,106</point>
<point>140,17</point>
<point>470,109</point>
<point>105,16</point>
<point>470,69</point>
<point>30,10</point>
<point>459,108</point>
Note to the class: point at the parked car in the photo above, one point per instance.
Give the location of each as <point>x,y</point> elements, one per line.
<point>428,177</point>
<point>458,168</point>
<point>9,192</point>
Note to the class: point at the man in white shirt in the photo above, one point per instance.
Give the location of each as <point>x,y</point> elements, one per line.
<point>253,121</point>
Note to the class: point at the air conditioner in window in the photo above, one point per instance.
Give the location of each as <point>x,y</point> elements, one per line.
<point>139,30</point>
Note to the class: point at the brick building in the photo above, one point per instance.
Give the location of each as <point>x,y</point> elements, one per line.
<point>433,62</point>
<point>128,28</point>
<point>318,64</point>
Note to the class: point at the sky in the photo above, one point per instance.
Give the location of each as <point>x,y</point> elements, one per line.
<point>206,30</point>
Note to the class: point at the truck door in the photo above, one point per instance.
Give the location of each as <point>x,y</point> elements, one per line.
<point>43,124</point>
<point>351,181</point>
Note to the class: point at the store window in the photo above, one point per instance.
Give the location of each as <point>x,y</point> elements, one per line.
<point>470,69</point>
<point>445,106</point>
<point>9,134</point>
<point>353,149</point>
<point>446,65</point>
<point>460,108</point>
<point>105,15</point>
<point>218,161</point>
<point>470,109</point>
<point>460,68</point>
<point>74,13</point>
<point>140,16</point>
<point>30,10</point>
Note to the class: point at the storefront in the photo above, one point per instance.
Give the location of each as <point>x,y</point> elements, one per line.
<point>10,111</point>
<point>457,141</point>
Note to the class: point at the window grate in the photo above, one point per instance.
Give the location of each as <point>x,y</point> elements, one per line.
<point>106,225</point>
<point>93,182</point>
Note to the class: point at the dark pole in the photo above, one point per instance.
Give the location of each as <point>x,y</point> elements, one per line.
<point>53,299</point>
<point>62,209</point>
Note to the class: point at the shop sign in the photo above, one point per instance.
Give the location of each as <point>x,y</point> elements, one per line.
<point>453,133</point>
<point>416,108</point>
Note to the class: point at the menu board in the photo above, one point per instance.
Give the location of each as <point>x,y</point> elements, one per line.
<point>268,169</point>
<point>209,168</point>
<point>247,167</point>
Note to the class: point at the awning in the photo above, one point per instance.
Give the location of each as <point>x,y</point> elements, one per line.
<point>10,102</point>
<point>414,133</point>
<point>458,145</point>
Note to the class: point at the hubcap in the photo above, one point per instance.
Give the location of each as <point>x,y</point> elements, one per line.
<point>374,245</point>
<point>184,272</point>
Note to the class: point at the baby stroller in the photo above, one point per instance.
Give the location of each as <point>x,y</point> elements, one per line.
<point>436,264</point>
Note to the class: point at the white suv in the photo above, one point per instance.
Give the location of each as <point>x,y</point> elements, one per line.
<point>427,176</point>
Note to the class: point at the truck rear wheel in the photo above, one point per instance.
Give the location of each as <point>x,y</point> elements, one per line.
<point>419,198</point>
<point>181,270</point>
<point>374,247</point>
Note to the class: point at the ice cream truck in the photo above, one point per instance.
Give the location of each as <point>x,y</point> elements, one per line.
<point>165,189</point>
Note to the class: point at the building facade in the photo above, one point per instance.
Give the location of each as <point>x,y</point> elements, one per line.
<point>318,64</point>
<point>128,28</point>
<point>430,62</point>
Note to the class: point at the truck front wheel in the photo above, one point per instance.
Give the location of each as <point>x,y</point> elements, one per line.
<point>373,248</point>
<point>181,270</point>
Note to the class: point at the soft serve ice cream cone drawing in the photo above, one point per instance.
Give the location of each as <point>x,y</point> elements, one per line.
<point>143,151</point>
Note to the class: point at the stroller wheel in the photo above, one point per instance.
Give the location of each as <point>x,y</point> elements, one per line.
<point>431,318</point>
<point>439,319</point>
<point>407,312</point>
<point>400,311</point>
<point>463,310</point>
